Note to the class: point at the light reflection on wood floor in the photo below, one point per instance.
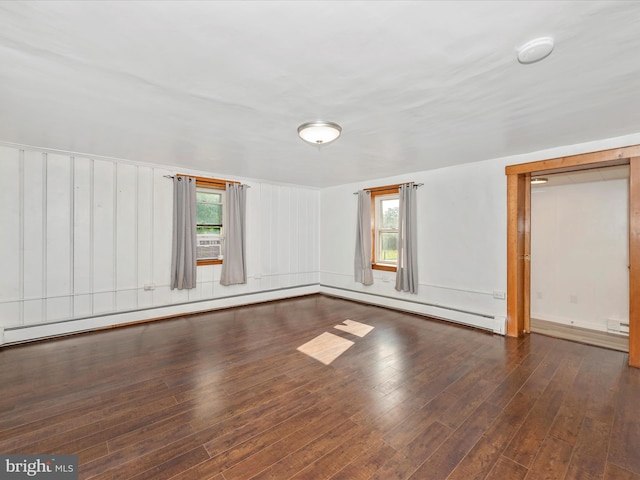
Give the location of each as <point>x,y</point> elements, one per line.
<point>326,347</point>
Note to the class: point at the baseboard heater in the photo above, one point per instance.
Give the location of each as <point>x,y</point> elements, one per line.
<point>484,321</point>
<point>25,333</point>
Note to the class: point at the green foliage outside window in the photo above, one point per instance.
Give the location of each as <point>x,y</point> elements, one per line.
<point>209,213</point>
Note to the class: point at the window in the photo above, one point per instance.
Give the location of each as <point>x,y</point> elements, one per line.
<point>210,196</point>
<point>209,232</point>
<point>385,208</point>
<point>209,211</point>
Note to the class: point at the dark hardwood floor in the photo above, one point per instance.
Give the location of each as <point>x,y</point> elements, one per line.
<point>226,396</point>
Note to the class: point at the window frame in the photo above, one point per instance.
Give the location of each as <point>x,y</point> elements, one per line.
<point>213,184</point>
<point>376,194</point>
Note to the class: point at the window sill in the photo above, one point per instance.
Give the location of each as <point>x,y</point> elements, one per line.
<point>386,268</point>
<point>209,262</point>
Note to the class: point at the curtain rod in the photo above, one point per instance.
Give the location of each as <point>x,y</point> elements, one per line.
<point>392,186</point>
<point>173,176</point>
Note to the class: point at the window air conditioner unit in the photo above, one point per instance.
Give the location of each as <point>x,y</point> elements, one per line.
<point>209,247</point>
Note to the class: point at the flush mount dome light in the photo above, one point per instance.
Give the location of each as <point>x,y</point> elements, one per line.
<point>535,50</point>
<point>539,180</point>
<point>319,132</point>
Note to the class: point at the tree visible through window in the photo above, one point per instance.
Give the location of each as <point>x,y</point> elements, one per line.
<point>209,211</point>
<point>210,196</point>
<point>385,209</point>
<point>209,225</point>
<point>387,241</point>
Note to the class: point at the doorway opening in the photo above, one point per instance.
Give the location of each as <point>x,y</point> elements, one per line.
<point>579,256</point>
<point>519,234</point>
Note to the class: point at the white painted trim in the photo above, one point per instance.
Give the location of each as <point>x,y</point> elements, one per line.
<point>492,324</point>
<point>41,331</point>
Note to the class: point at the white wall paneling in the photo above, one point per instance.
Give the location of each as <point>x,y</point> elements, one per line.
<point>10,237</point>
<point>144,238</point>
<point>84,238</point>
<point>83,235</point>
<point>34,225</point>
<point>126,241</point>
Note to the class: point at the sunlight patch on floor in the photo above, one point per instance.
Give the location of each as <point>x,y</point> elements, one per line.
<point>326,347</point>
<point>355,328</point>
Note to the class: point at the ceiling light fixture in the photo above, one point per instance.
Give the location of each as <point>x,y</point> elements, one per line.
<point>539,180</point>
<point>319,132</point>
<point>535,50</point>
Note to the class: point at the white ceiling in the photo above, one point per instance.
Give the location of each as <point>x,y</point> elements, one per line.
<point>222,86</point>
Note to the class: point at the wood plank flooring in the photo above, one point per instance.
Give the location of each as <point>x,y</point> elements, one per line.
<point>227,396</point>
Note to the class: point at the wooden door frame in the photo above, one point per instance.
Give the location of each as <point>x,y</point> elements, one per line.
<point>519,241</point>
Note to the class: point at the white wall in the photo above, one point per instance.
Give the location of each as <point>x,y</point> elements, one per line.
<point>579,253</point>
<point>82,236</point>
<point>462,236</point>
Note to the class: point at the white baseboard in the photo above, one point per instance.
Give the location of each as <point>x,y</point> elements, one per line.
<point>36,332</point>
<point>494,324</point>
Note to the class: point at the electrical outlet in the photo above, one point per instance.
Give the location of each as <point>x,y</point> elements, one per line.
<point>498,294</point>
<point>149,286</point>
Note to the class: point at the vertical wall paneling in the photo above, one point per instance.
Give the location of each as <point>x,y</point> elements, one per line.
<point>312,254</point>
<point>125,253</point>
<point>103,236</point>
<point>82,240</point>
<point>58,238</point>
<point>284,242</point>
<point>91,232</point>
<point>71,237</point>
<point>270,216</point>
<point>144,238</point>
<point>21,196</point>
<point>265,228</point>
<point>162,232</point>
<point>114,265</point>
<point>10,238</point>
<point>83,236</point>
<point>296,205</point>
<point>33,243</point>
<point>253,234</point>
<point>45,182</point>
<point>136,241</point>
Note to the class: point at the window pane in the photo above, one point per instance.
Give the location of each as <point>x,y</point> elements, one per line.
<point>208,197</point>
<point>200,230</point>
<point>210,214</point>
<point>390,210</point>
<point>388,247</point>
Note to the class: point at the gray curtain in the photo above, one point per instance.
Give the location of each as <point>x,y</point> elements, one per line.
<point>362,264</point>
<point>234,268</point>
<point>407,273</point>
<point>183,253</point>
